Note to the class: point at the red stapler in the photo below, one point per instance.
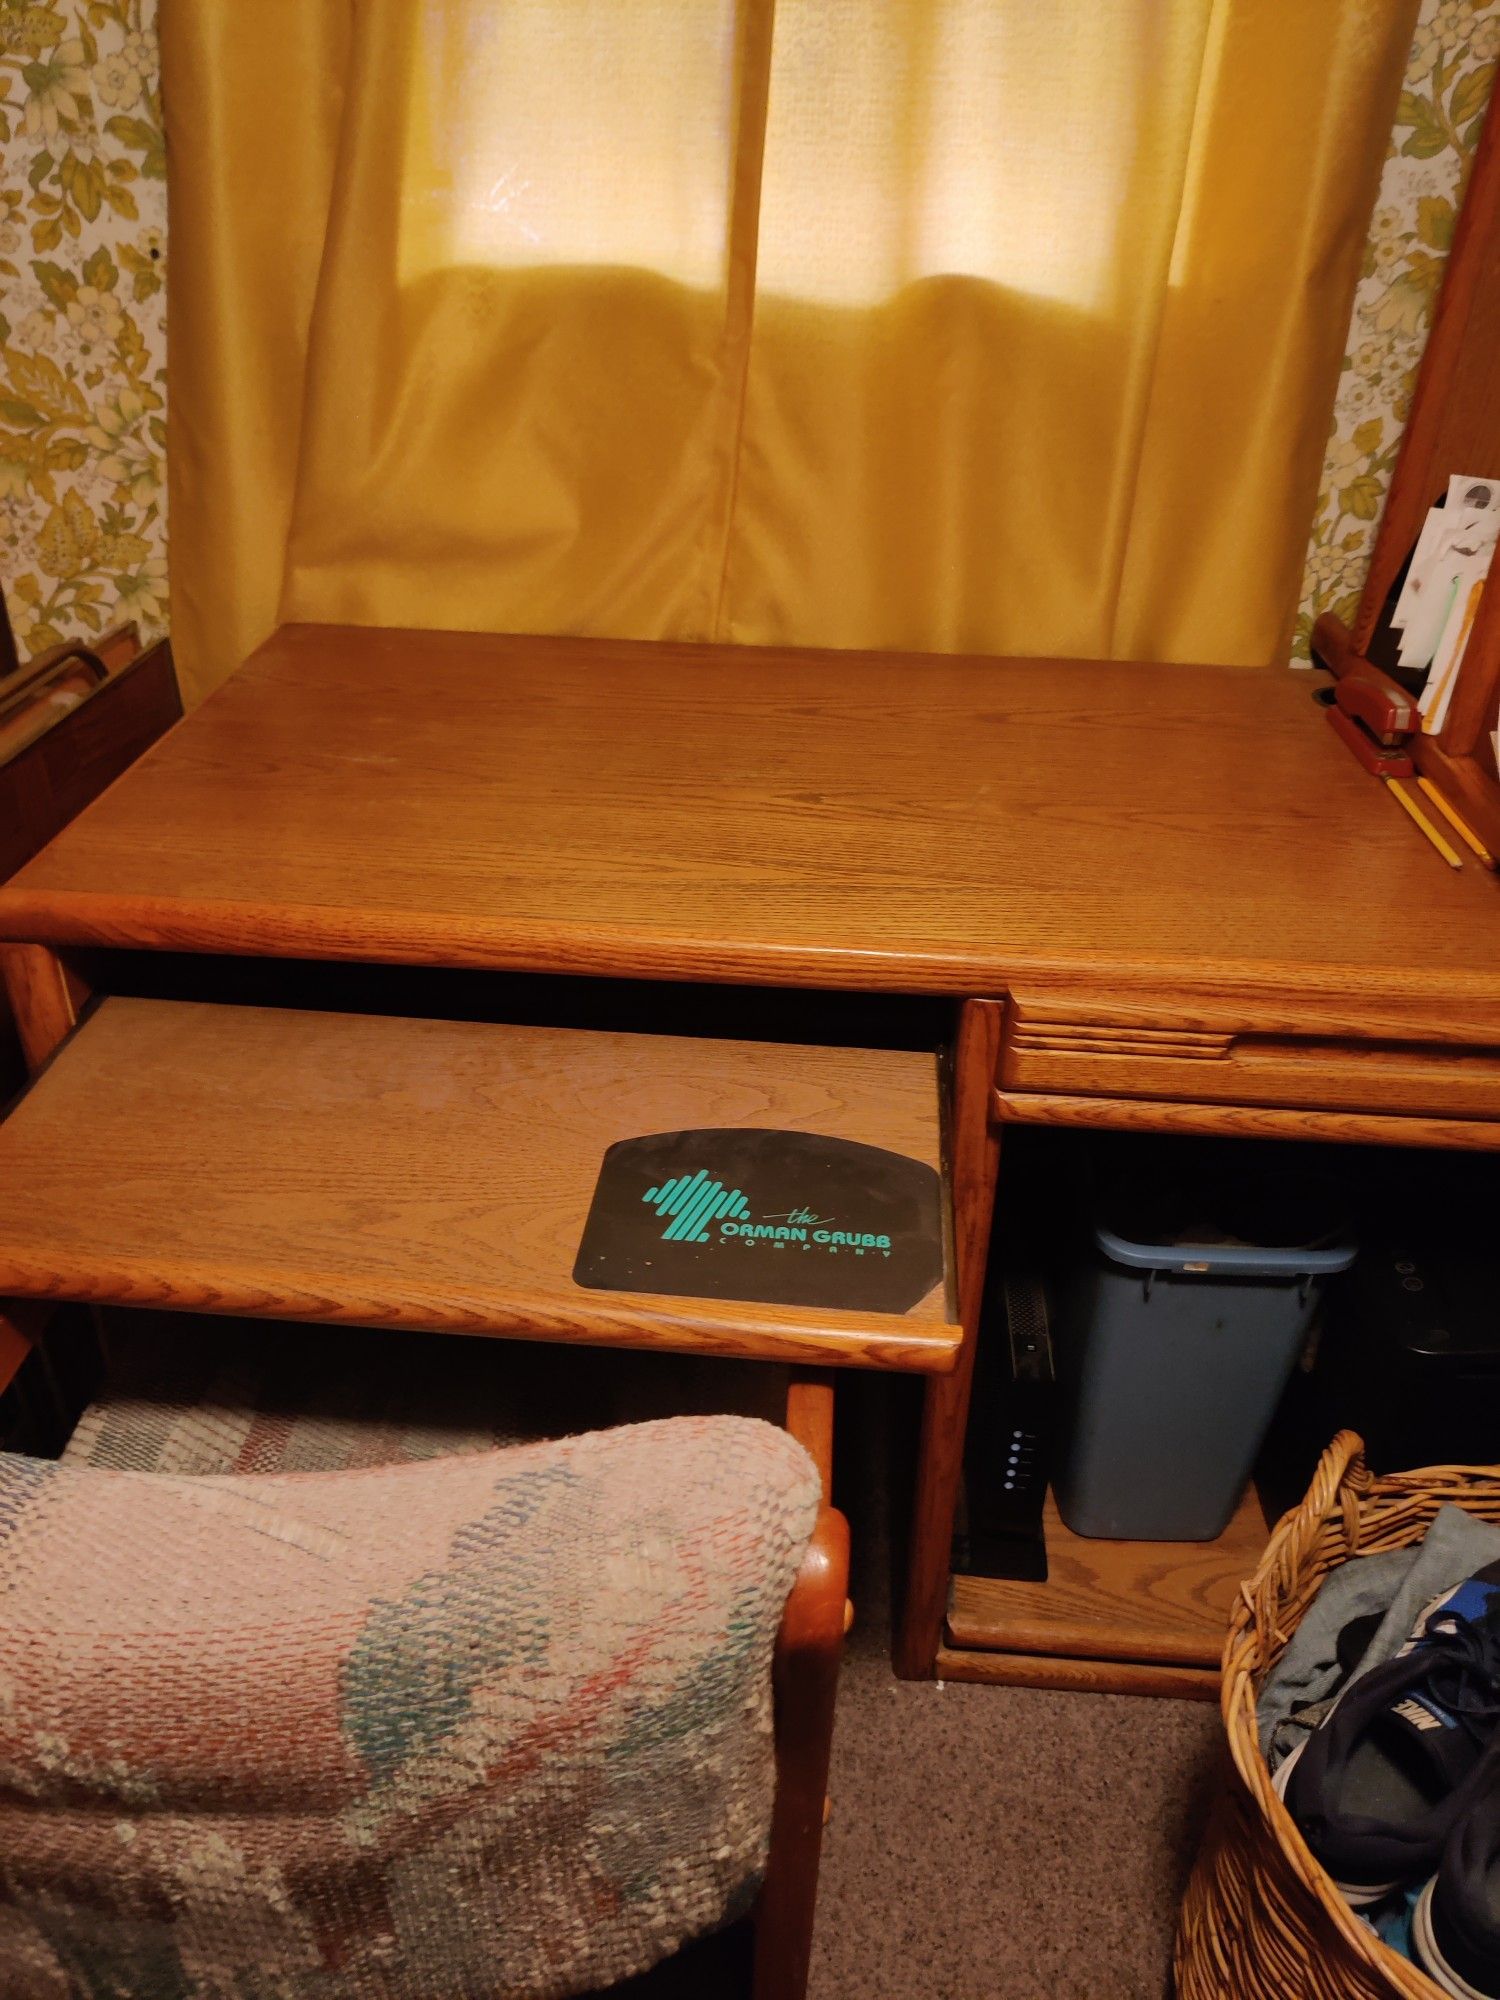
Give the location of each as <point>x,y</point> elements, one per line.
<point>1371,712</point>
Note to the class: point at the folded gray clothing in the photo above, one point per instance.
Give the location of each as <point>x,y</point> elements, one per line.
<point>1400,1583</point>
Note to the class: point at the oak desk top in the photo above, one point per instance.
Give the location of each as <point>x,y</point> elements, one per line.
<point>909,823</point>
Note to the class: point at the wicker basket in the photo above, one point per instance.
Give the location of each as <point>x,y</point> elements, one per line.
<point>1261,1920</point>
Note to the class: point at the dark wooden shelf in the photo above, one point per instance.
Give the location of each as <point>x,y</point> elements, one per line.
<point>1134,1616</point>
<point>425,1173</point>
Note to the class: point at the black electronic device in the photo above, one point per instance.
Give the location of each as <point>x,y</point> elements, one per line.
<point>1012,1425</point>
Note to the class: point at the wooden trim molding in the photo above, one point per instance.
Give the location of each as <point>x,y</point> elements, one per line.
<point>974,1145</point>
<point>1197,1018</point>
<point>44,998</point>
<point>1199,1056</point>
<point>1033,1670</point>
<point>1117,1038</point>
<point>1242,1121</point>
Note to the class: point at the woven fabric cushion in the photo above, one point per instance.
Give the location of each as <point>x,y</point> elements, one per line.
<point>493,1725</point>
<point>185,1394</point>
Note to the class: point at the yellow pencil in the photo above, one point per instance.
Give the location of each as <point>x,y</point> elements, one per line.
<point>1461,827</point>
<point>1409,805</point>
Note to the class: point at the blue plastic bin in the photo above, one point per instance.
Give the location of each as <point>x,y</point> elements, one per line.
<point>1175,1339</point>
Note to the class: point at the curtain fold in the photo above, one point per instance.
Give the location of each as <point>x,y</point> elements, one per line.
<point>250,187</point>
<point>950,324</point>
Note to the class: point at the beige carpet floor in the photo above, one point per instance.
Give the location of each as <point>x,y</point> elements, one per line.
<point>1004,1843</point>
<point>994,1843</point>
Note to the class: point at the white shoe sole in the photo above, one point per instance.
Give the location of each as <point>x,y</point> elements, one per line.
<point>1430,1958</point>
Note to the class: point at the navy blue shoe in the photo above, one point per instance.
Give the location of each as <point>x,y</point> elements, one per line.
<point>1399,1759</point>
<point>1455,1928</point>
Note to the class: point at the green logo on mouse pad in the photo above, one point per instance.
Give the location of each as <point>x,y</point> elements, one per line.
<point>787,1218</point>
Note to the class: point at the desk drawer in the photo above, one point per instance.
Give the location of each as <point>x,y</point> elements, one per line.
<point>1059,1049</point>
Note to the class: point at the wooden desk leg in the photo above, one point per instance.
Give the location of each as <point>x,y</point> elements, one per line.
<point>20,1326</point>
<point>974,1165</point>
<point>808,1648</point>
<point>45,996</point>
<point>806,1671</point>
<point>809,1418</point>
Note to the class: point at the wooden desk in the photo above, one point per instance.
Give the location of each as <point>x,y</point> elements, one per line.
<point>1161,896</point>
<point>926,825</point>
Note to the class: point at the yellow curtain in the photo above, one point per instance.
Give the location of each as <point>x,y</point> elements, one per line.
<point>999,325</point>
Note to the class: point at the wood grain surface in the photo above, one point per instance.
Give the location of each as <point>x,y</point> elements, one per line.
<point>42,1000</point>
<point>974,1149</point>
<point>1038,1670</point>
<point>848,820</point>
<point>809,1419</point>
<point>55,776</point>
<point>1387,1077</point>
<point>1465,780</point>
<point>1163,1603</point>
<point>436,1174</point>
<point>1040,1014</point>
<point>1244,1121</point>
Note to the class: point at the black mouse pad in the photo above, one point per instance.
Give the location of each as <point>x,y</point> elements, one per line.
<point>786,1218</point>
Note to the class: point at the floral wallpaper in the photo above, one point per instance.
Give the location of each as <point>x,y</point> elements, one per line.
<point>1449,77</point>
<point>82,319</point>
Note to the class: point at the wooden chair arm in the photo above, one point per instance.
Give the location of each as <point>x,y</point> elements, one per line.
<point>813,1622</point>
